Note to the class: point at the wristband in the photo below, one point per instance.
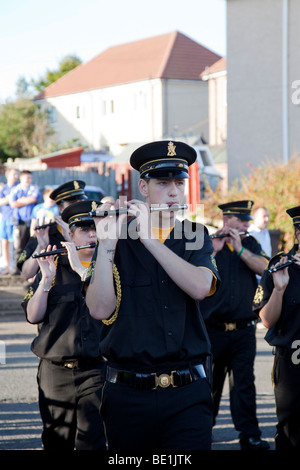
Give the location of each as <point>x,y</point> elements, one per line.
<point>240,252</point>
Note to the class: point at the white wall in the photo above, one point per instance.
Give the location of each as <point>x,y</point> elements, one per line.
<point>254,66</point>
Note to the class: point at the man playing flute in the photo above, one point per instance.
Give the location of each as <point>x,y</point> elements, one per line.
<point>145,287</point>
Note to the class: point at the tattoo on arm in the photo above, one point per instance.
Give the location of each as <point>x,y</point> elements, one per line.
<point>111,255</point>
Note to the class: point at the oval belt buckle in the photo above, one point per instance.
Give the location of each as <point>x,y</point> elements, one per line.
<point>164,380</point>
<point>230,326</point>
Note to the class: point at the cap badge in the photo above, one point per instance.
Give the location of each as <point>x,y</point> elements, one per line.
<point>76,185</point>
<point>94,205</point>
<point>171,149</point>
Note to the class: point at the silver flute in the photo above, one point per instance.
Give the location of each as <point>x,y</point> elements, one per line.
<point>101,213</point>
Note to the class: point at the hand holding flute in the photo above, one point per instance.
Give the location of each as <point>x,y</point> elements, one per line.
<point>219,238</point>
<point>48,270</point>
<point>284,264</point>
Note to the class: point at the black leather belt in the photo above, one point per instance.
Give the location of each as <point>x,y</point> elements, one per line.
<point>77,363</point>
<point>142,381</point>
<point>232,326</point>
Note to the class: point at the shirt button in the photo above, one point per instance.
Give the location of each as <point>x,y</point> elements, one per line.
<point>170,333</point>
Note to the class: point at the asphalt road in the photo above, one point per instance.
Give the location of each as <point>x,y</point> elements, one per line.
<point>20,424</point>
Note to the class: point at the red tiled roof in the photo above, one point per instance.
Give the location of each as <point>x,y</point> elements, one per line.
<point>171,55</point>
<point>219,66</point>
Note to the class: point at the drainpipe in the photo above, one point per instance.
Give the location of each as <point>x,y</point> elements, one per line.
<point>285,89</point>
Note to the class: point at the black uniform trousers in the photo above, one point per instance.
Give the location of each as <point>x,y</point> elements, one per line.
<point>234,354</point>
<point>286,382</point>
<point>69,402</point>
<point>21,235</point>
<point>161,419</point>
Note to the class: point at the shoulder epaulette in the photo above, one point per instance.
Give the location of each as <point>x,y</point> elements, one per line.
<point>276,258</point>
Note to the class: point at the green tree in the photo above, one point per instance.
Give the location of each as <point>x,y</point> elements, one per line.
<point>273,185</point>
<point>67,64</point>
<point>24,130</point>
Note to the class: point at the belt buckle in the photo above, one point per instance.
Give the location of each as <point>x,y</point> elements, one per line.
<point>164,380</point>
<point>230,326</point>
<point>71,365</point>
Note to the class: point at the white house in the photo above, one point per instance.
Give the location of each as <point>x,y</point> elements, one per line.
<point>140,91</point>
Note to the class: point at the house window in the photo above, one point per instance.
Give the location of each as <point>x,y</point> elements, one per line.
<point>78,112</point>
<point>103,108</point>
<point>112,107</point>
<point>51,114</point>
<point>139,101</point>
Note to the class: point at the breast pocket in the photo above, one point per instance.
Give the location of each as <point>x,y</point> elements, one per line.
<point>138,296</point>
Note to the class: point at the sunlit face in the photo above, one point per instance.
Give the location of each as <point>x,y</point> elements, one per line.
<point>261,218</point>
<point>12,177</point>
<point>236,223</point>
<point>84,236</point>
<point>25,179</point>
<point>163,191</point>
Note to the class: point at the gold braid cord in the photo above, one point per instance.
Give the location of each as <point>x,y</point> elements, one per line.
<point>55,262</point>
<point>117,280</point>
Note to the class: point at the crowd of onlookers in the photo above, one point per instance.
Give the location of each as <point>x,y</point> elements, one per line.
<point>20,211</point>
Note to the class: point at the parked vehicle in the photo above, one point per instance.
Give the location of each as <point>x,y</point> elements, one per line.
<point>207,171</point>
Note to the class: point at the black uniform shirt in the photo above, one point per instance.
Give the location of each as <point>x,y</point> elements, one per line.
<point>287,329</point>
<point>67,331</point>
<point>55,237</point>
<point>233,300</point>
<point>157,324</point>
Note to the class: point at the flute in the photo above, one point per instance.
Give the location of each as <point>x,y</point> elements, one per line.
<point>50,224</point>
<point>101,213</point>
<point>61,250</point>
<point>281,266</point>
<point>224,235</point>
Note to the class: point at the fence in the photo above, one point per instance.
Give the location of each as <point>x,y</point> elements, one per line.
<point>58,176</point>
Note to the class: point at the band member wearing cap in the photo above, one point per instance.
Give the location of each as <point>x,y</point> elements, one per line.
<point>156,395</point>
<point>277,300</point>
<point>71,369</point>
<point>231,323</point>
<point>52,233</point>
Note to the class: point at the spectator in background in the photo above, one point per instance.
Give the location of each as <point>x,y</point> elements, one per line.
<point>22,199</point>
<point>6,227</point>
<point>45,212</point>
<point>259,230</point>
<point>62,196</point>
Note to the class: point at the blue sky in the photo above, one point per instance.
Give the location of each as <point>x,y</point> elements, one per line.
<point>36,34</point>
